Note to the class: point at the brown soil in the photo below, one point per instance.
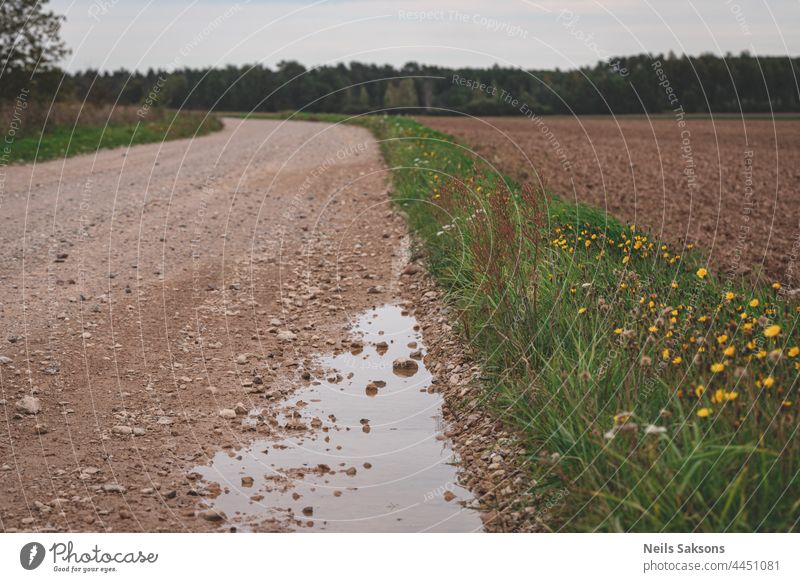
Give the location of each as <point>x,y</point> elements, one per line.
<point>747,220</point>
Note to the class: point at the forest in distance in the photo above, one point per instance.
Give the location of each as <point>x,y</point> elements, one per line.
<point>637,84</point>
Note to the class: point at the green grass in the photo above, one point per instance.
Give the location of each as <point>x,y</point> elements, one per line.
<point>65,141</point>
<point>607,371</point>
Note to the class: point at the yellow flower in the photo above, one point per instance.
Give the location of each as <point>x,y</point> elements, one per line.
<point>677,360</point>
<point>769,382</point>
<point>729,351</point>
<point>618,331</point>
<point>674,284</point>
<point>717,368</point>
<point>699,390</point>
<point>652,329</point>
<point>722,339</point>
<point>730,295</point>
<point>703,412</point>
<point>776,286</point>
<point>581,311</point>
<point>753,303</point>
<point>702,272</point>
<point>772,330</point>
<point>665,353</point>
<point>794,351</point>
<point>622,417</point>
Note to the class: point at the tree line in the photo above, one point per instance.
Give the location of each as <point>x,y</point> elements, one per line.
<point>635,84</point>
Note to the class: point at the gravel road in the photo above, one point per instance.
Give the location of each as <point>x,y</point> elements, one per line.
<point>143,291</point>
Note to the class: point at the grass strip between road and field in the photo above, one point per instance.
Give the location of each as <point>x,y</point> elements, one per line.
<point>651,394</point>
<point>62,141</point>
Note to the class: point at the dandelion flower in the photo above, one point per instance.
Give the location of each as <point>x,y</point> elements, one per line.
<point>776,286</point>
<point>581,311</point>
<point>753,303</point>
<point>703,412</point>
<point>729,351</point>
<point>622,417</point>
<point>730,295</point>
<point>772,330</point>
<point>702,272</point>
<point>793,352</point>
<point>716,368</point>
<point>722,339</point>
<point>769,382</point>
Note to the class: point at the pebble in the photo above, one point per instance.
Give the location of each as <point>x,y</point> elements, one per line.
<point>227,413</point>
<point>212,515</point>
<point>405,366</point>
<point>29,405</point>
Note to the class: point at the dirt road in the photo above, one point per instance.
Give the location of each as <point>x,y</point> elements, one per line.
<point>157,306</point>
<point>729,185</point>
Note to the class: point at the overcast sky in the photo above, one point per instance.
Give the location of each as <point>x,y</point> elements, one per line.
<point>138,34</point>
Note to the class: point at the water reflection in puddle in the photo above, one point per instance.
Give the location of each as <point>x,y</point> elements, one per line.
<point>371,460</point>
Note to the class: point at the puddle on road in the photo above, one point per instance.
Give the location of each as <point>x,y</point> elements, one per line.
<point>371,460</point>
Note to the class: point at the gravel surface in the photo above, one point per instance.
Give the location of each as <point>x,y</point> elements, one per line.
<point>144,291</point>
<point>731,187</point>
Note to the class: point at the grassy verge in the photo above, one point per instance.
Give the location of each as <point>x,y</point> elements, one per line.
<point>661,397</point>
<point>65,140</point>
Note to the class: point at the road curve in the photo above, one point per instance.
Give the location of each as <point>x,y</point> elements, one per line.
<point>141,289</point>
